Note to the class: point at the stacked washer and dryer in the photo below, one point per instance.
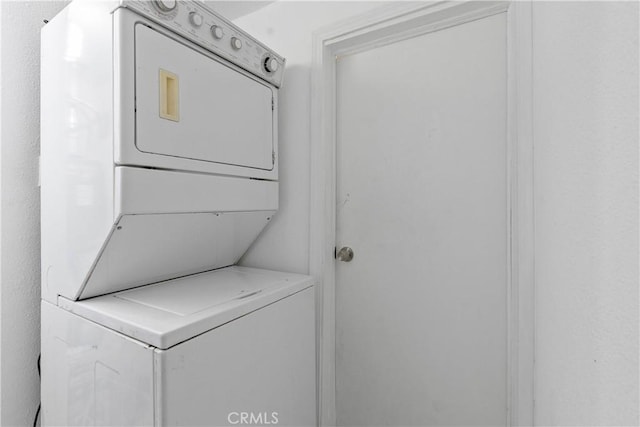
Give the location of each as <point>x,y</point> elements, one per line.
<point>159,168</point>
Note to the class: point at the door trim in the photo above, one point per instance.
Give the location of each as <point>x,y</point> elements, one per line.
<point>385,25</point>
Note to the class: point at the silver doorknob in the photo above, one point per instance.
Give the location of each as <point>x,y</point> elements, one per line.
<point>345,254</point>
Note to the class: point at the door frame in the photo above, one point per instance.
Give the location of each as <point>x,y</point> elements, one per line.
<point>385,25</point>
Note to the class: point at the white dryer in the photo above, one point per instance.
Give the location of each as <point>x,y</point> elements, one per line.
<point>159,168</point>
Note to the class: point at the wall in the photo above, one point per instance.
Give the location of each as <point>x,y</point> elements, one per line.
<point>287,28</point>
<point>232,9</point>
<point>20,24</point>
<point>586,196</point>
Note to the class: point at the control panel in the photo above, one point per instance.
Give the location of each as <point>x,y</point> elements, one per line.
<point>204,27</point>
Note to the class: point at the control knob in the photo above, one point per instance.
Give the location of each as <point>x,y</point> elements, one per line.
<point>236,43</point>
<point>216,32</point>
<point>165,5</point>
<point>270,64</point>
<point>195,18</point>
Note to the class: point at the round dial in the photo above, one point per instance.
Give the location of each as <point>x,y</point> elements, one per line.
<point>216,32</point>
<point>165,5</point>
<point>271,64</point>
<point>195,18</point>
<point>236,43</point>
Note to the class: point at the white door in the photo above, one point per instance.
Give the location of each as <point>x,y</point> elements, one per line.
<point>421,314</point>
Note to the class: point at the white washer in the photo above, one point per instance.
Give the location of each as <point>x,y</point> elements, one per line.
<point>159,168</point>
<point>202,350</point>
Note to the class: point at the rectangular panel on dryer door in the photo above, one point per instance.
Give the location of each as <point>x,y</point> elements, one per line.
<point>192,106</point>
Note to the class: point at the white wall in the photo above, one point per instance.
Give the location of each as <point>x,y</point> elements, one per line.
<point>287,28</point>
<point>20,24</point>
<point>232,9</point>
<point>586,196</point>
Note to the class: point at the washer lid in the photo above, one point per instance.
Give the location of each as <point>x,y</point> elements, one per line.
<point>167,313</point>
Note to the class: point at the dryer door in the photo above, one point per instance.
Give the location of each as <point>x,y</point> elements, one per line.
<point>192,106</point>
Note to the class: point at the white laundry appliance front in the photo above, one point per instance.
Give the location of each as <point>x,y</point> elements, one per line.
<point>159,168</point>
<point>206,349</point>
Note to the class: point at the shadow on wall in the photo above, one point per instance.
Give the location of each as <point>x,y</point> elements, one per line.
<point>284,244</point>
